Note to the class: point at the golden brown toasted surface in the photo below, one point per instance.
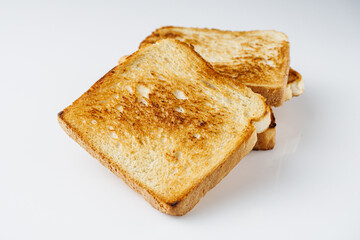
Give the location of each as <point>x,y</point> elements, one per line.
<point>165,121</point>
<point>293,76</point>
<point>258,59</point>
<point>265,140</point>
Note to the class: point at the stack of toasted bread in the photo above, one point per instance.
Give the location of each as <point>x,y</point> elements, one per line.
<point>176,116</point>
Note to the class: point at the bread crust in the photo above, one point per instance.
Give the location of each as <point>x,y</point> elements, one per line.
<point>108,163</point>
<point>266,140</point>
<point>188,201</point>
<point>273,96</point>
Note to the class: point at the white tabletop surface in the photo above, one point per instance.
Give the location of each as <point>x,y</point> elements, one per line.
<point>308,187</point>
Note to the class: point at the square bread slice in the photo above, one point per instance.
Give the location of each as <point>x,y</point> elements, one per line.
<point>258,59</point>
<point>167,123</point>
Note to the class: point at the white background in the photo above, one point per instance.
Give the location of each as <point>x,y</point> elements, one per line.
<point>308,187</point>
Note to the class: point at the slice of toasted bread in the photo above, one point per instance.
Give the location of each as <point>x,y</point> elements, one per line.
<point>258,59</point>
<point>265,139</point>
<point>167,123</point>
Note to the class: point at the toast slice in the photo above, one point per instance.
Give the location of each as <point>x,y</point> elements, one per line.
<point>258,59</point>
<point>167,123</point>
<point>265,139</point>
